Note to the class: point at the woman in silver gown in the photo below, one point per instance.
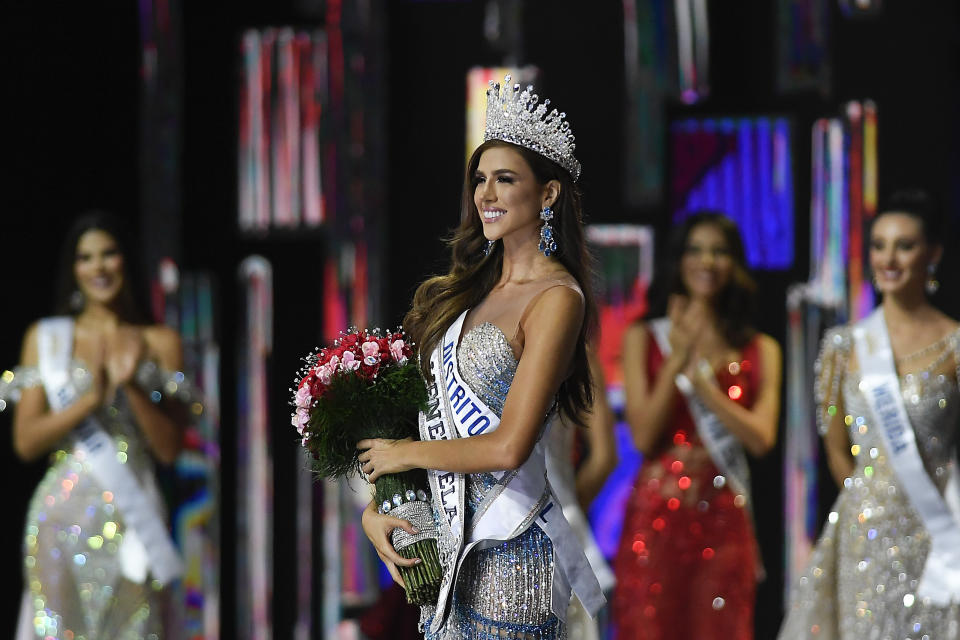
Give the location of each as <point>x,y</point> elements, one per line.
<point>510,322</point>
<point>89,573</point>
<point>864,574</point>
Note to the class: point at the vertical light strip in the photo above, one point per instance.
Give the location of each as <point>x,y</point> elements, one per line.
<point>855,270</point>
<point>701,28</point>
<point>255,468</point>
<point>686,73</point>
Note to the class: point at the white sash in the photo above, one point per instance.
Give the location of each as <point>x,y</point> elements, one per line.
<point>724,448</point>
<point>880,384</point>
<point>519,498</point>
<point>150,546</point>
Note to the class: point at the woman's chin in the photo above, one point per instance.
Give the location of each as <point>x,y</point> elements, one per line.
<point>104,299</point>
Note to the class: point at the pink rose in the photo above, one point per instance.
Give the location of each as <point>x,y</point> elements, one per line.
<point>325,372</point>
<point>396,350</point>
<point>349,362</point>
<point>369,349</point>
<point>300,420</point>
<point>303,398</point>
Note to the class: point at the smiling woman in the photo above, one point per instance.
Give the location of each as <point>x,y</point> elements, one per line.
<point>502,341</point>
<point>99,392</point>
<point>890,545</point>
<point>702,390</point>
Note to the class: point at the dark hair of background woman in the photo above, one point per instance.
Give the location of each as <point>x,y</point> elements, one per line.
<point>439,300</point>
<point>131,306</point>
<point>918,204</point>
<point>736,304</point>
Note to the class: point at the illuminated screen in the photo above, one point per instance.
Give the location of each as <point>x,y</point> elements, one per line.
<point>741,167</point>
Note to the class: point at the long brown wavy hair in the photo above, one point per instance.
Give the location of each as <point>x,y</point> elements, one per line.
<point>472,276</point>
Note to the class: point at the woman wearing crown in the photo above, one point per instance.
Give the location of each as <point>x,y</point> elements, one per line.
<point>502,343</point>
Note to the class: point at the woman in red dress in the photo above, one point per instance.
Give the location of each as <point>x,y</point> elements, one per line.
<point>688,562</point>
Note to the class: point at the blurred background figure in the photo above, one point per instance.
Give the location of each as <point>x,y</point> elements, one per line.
<point>688,560</point>
<point>870,573</point>
<point>578,464</point>
<point>100,392</point>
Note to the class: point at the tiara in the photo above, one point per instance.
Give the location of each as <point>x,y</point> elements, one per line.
<point>514,116</point>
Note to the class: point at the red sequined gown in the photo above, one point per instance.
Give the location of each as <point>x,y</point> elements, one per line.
<point>687,562</point>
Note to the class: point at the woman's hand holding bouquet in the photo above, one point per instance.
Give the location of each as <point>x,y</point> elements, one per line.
<point>366,390</point>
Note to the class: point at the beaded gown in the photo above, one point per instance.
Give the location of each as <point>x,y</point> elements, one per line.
<point>687,562</point>
<point>862,576</point>
<point>74,552</point>
<point>503,591</point>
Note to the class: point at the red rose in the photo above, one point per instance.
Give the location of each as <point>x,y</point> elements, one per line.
<point>368,372</point>
<point>317,388</point>
<point>306,380</point>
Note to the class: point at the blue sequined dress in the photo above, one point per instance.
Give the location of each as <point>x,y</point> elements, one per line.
<point>503,591</point>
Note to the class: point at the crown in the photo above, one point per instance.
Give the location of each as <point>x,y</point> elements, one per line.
<point>514,116</point>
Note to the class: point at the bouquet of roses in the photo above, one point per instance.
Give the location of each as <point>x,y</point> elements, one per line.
<point>368,386</point>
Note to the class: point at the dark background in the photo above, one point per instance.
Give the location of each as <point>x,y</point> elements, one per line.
<point>72,94</point>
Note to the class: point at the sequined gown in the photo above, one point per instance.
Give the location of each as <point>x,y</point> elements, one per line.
<point>504,591</point>
<point>687,562</point>
<point>73,543</point>
<point>861,579</point>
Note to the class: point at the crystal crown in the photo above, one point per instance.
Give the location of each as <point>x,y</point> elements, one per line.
<point>515,116</point>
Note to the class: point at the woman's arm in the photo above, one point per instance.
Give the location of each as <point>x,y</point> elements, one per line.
<point>833,360</point>
<point>551,329</point>
<point>36,429</point>
<point>836,442</point>
<point>755,427</point>
<point>378,527</point>
<point>162,423</point>
<point>602,454</point>
<point>647,408</point>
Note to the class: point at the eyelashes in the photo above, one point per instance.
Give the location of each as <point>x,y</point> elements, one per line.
<point>478,180</point>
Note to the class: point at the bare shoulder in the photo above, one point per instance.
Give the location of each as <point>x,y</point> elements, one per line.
<point>636,335</point>
<point>161,335</point>
<point>563,300</point>
<point>768,345</point>
<point>948,323</point>
<point>28,348</point>
<point>164,343</point>
<point>30,335</point>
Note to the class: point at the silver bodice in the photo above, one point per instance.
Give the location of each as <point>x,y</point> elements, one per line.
<point>503,591</point>
<point>863,574</point>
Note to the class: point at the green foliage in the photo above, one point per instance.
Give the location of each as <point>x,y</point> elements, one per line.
<point>353,409</point>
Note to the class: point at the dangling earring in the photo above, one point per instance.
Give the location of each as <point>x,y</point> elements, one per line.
<point>488,248</point>
<point>932,283</point>
<point>547,244</point>
<point>76,301</point>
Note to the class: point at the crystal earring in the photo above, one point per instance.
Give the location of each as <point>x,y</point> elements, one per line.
<point>77,301</point>
<point>932,283</point>
<point>548,245</point>
<point>488,248</point>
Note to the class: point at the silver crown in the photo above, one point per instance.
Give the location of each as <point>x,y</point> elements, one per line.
<point>514,116</point>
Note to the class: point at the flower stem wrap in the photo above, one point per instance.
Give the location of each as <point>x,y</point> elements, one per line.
<point>421,581</point>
